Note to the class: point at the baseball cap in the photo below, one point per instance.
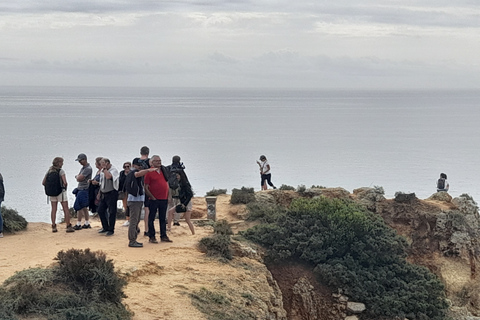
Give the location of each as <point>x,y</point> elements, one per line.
<point>81,156</point>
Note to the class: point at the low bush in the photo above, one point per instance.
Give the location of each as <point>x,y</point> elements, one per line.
<point>243,195</point>
<point>218,306</point>
<point>217,245</point>
<point>354,250</point>
<point>84,287</point>
<point>90,271</point>
<point>215,192</point>
<point>222,227</point>
<point>265,212</point>
<point>12,221</point>
<point>284,187</point>
<point>301,189</point>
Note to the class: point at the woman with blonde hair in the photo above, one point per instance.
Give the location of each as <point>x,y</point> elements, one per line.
<point>55,179</point>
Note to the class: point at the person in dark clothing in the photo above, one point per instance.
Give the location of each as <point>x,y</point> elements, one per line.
<point>122,195</point>
<point>175,167</point>
<point>184,201</point>
<point>2,197</point>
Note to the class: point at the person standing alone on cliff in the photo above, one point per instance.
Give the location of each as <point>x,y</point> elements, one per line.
<point>265,174</point>
<point>2,195</point>
<point>442,183</point>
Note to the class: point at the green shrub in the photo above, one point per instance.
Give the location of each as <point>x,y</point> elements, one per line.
<point>53,293</point>
<point>264,212</point>
<point>90,271</point>
<point>218,306</point>
<point>301,189</point>
<point>222,227</point>
<point>354,250</point>
<point>244,195</point>
<point>12,221</point>
<point>285,187</point>
<point>217,245</point>
<point>215,192</point>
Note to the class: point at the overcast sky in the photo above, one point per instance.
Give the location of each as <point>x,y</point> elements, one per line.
<point>232,43</point>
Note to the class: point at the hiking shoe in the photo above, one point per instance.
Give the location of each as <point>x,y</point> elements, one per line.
<point>1,234</point>
<point>165,239</point>
<point>86,226</point>
<point>135,244</point>
<point>77,227</point>
<point>145,234</point>
<point>153,240</point>
<point>70,229</point>
<point>54,228</point>
<point>176,223</point>
<point>126,224</point>
<point>102,231</point>
<point>274,187</point>
<point>109,233</point>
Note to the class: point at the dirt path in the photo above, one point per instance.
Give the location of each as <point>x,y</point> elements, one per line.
<point>160,275</point>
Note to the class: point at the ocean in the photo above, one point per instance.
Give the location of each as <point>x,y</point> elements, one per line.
<point>400,140</point>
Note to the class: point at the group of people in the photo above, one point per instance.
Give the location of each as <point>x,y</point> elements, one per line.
<point>143,183</point>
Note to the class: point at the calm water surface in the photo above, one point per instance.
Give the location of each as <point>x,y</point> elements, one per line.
<point>400,140</point>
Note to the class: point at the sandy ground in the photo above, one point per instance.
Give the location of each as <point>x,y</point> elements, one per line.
<point>159,275</point>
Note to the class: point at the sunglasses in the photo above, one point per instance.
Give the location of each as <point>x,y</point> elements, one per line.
<point>125,167</point>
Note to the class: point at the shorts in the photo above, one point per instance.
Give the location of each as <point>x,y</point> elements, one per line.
<point>60,198</point>
<point>176,201</point>
<point>82,200</point>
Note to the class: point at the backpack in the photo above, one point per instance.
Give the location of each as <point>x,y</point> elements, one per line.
<point>172,179</point>
<point>441,184</point>
<point>133,185</point>
<point>53,184</point>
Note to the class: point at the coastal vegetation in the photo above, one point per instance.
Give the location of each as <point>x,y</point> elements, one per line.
<point>215,192</point>
<point>12,221</point>
<point>83,285</point>
<point>351,249</point>
<point>218,245</point>
<point>242,196</point>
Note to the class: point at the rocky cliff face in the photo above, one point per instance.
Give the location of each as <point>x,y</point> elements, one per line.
<point>443,236</point>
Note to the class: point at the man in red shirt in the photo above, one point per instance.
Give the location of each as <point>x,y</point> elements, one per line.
<point>156,188</point>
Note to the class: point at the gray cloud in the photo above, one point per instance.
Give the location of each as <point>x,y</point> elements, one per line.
<point>241,43</point>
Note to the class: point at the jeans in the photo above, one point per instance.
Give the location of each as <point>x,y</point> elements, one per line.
<point>1,220</point>
<point>159,206</point>
<point>108,201</point>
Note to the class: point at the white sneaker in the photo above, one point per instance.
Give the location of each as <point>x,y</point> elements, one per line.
<point>1,234</point>
<point>126,224</point>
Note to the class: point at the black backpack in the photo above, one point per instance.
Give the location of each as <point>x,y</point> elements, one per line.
<point>172,179</point>
<point>441,184</point>
<point>53,184</point>
<point>133,185</point>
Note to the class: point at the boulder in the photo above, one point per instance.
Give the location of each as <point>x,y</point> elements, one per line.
<point>355,307</point>
<point>466,205</point>
<point>336,193</point>
<point>441,196</point>
<point>369,196</point>
<point>405,197</point>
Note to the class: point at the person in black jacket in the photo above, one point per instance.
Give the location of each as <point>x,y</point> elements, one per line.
<point>2,195</point>
<point>183,203</point>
